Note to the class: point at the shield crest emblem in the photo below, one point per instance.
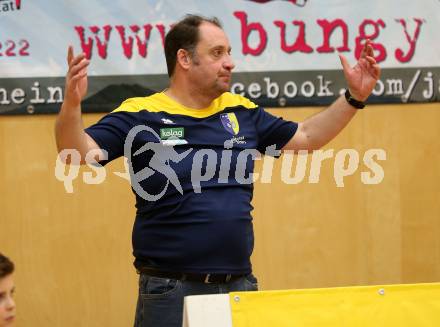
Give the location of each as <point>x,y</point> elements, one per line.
<point>230,123</point>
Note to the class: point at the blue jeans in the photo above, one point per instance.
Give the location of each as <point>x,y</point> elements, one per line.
<point>160,301</point>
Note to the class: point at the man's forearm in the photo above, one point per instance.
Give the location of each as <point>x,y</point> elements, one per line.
<point>69,131</point>
<point>324,126</point>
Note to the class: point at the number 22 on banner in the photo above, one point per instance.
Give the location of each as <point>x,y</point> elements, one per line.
<point>10,50</point>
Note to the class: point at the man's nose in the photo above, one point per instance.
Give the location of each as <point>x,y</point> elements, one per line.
<point>229,63</point>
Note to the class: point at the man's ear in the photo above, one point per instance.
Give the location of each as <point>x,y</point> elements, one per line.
<point>183,58</point>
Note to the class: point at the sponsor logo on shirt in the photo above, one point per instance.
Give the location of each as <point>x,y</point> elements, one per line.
<point>173,136</point>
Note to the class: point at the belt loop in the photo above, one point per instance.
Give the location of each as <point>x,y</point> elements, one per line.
<point>228,278</point>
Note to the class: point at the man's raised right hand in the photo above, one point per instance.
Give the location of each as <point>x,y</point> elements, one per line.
<point>76,79</point>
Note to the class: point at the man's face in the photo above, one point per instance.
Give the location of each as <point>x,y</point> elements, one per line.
<point>212,63</point>
<point>7,304</point>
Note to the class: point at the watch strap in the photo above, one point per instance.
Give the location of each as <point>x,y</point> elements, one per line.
<point>352,101</point>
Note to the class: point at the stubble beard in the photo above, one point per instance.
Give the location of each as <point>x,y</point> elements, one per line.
<point>221,86</point>
<point>215,89</point>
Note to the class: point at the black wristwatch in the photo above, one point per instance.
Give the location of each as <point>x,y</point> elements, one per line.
<point>353,102</point>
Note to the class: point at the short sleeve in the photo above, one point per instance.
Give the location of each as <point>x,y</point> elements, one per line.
<point>272,130</point>
<point>110,134</point>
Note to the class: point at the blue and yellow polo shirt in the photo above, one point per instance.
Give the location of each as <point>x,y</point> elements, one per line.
<point>191,175</point>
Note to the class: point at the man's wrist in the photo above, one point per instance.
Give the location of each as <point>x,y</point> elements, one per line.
<point>352,101</point>
<point>70,107</point>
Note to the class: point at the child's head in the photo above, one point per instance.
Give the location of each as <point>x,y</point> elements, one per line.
<point>7,304</point>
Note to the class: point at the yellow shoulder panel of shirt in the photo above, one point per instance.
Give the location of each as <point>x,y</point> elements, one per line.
<point>160,102</point>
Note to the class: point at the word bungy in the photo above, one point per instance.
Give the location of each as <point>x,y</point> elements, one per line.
<point>134,39</point>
